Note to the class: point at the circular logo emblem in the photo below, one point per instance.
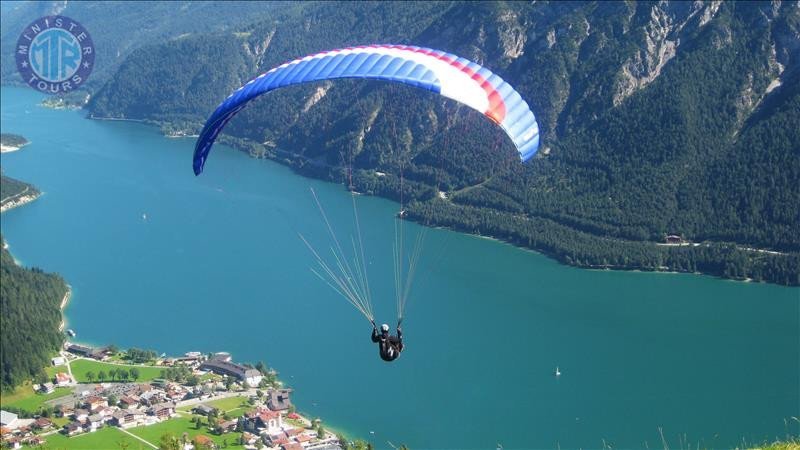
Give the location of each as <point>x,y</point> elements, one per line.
<point>54,54</point>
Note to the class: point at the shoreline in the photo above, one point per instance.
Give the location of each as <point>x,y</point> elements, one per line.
<point>115,119</point>
<point>10,148</point>
<point>557,256</point>
<point>547,253</point>
<point>68,296</point>
<point>20,200</point>
<point>64,303</point>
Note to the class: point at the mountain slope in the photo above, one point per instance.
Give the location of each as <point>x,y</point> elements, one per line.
<point>667,118</point>
<point>118,28</point>
<point>30,302</point>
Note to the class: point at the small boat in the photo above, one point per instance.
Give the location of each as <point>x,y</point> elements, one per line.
<point>71,332</point>
<point>557,372</point>
<point>144,216</point>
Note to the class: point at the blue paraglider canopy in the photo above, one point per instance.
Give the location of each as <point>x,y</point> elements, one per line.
<point>443,73</point>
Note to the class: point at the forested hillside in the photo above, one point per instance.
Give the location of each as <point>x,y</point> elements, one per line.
<point>31,314</point>
<point>669,118</point>
<point>119,27</point>
<point>10,188</point>
<point>12,140</point>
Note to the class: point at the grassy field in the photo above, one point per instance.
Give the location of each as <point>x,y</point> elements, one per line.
<point>224,404</point>
<point>108,438</point>
<point>238,411</point>
<point>25,398</point>
<point>179,425</point>
<point>59,422</point>
<point>82,366</point>
<point>53,370</point>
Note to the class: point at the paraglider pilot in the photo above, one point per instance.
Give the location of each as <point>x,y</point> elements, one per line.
<point>388,345</point>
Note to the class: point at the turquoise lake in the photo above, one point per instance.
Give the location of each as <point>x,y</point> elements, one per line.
<point>158,258</point>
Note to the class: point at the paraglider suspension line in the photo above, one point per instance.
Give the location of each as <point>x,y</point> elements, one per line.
<point>348,278</point>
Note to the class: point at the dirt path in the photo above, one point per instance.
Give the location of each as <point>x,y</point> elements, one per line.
<point>136,437</point>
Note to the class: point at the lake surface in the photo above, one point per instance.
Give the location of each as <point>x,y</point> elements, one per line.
<point>161,259</point>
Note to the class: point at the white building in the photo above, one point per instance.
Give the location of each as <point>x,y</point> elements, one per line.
<point>59,361</point>
<point>9,420</point>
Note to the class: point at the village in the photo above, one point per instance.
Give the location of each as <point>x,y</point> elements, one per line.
<point>202,401</point>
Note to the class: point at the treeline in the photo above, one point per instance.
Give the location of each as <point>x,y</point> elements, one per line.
<point>181,374</point>
<point>577,248</point>
<point>13,140</point>
<point>10,187</point>
<point>703,151</point>
<point>140,356</point>
<point>114,374</point>
<point>29,321</point>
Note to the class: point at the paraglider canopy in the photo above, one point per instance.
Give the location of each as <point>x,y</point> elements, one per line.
<point>434,70</point>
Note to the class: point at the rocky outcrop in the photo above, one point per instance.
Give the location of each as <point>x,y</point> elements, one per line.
<point>551,38</point>
<point>668,21</point>
<point>511,35</point>
<point>318,94</point>
<point>710,12</point>
<point>259,49</point>
<point>646,64</point>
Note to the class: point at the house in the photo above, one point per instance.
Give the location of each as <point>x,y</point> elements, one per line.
<point>162,410</point>
<point>228,425</point>
<point>304,438</point>
<point>105,412</point>
<point>126,418</point>
<point>34,441</point>
<point>59,361</point>
<point>13,442</point>
<point>47,388</point>
<point>204,410</point>
<point>263,419</point>
<point>294,432</point>
<point>674,239</point>
<point>292,446</point>
<point>276,440</point>
<point>191,359</point>
<point>94,402</point>
<point>73,428</point>
<point>176,395</point>
<point>80,415</point>
<point>63,379</point>
<point>80,350</point>
<point>128,402</point>
<point>9,420</point>
<point>152,397</point>
<point>94,422</point>
<point>219,366</point>
<point>42,423</point>
<point>99,354</point>
<point>64,410</point>
<point>279,399</point>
